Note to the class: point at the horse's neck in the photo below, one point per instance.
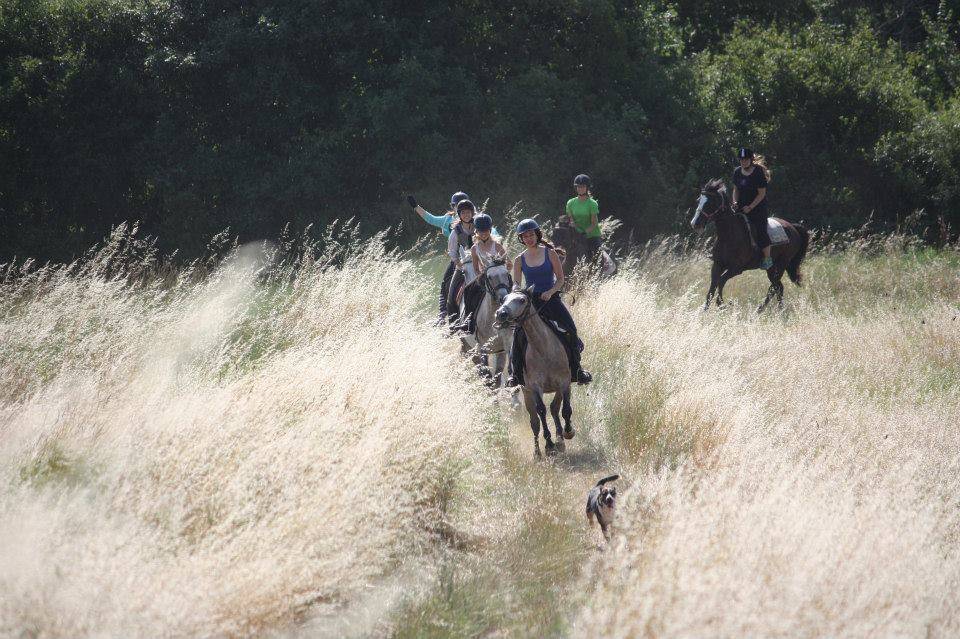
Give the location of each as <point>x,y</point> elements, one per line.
<point>539,335</point>
<point>731,225</point>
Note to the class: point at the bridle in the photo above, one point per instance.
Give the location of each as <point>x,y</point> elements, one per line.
<point>720,209</point>
<point>493,289</point>
<point>527,312</point>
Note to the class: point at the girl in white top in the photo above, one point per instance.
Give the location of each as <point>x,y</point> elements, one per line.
<point>484,243</point>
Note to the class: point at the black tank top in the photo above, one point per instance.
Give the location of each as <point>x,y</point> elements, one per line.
<point>748,185</point>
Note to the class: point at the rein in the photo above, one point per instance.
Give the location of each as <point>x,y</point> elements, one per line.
<point>720,209</point>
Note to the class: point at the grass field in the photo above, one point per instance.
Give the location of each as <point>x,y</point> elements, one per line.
<point>290,449</point>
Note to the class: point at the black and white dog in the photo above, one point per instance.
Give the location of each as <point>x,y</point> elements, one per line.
<point>600,504</point>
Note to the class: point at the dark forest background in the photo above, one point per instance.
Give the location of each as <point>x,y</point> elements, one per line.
<point>197,116</point>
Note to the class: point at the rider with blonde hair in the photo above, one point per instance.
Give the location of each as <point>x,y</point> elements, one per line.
<point>486,248</point>
<point>750,181</point>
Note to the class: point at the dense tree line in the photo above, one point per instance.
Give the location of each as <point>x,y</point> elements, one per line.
<point>196,116</point>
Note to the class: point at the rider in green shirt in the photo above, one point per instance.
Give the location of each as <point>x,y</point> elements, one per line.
<point>585,212</point>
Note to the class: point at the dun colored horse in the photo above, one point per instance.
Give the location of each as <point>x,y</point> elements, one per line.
<point>735,251</point>
<point>546,370</point>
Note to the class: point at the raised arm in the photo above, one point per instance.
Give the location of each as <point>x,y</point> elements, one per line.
<point>429,218</point>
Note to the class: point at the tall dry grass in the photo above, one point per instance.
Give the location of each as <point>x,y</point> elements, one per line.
<point>259,445</point>
<point>793,474</point>
<point>218,457</point>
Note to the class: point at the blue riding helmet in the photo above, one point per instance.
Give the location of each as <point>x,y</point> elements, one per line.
<point>458,197</point>
<point>527,225</point>
<point>482,222</point>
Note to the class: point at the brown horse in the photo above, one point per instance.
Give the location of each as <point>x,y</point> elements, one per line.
<point>735,251</point>
<point>573,247</point>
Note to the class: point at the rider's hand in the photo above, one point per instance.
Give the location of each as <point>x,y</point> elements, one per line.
<point>546,295</point>
<point>412,201</point>
<point>747,208</point>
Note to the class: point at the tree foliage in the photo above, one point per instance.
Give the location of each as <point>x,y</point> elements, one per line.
<point>254,115</point>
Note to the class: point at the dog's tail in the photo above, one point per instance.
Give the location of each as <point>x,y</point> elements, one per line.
<point>606,479</point>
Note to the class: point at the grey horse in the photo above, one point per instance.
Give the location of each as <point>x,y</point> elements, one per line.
<point>546,370</point>
<point>490,338</point>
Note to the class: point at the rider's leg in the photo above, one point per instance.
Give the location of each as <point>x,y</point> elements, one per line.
<point>555,309</point>
<point>445,290</point>
<point>593,246</point>
<point>472,297</point>
<point>758,220</point>
<point>453,306</point>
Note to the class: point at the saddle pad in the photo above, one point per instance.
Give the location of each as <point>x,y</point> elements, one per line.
<point>778,234</point>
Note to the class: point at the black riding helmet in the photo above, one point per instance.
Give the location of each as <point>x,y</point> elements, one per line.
<point>744,153</point>
<point>458,197</point>
<point>582,179</point>
<point>482,222</point>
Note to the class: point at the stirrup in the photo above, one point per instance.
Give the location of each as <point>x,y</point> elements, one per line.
<point>767,263</point>
<point>512,382</point>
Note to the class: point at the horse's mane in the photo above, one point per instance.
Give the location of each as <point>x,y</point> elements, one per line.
<point>716,184</point>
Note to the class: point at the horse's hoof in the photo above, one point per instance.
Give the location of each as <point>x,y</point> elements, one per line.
<point>551,448</point>
<point>568,433</point>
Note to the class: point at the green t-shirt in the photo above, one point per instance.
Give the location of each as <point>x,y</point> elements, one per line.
<point>580,211</point>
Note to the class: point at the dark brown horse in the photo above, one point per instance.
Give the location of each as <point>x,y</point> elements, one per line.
<point>735,251</point>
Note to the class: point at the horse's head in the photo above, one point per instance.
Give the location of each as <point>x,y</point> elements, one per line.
<point>711,203</point>
<point>496,278</point>
<point>515,308</point>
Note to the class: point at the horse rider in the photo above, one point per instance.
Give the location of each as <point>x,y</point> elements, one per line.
<point>461,236</point>
<point>750,181</point>
<point>443,222</point>
<point>540,267</point>
<point>486,247</point>
<point>585,213</point>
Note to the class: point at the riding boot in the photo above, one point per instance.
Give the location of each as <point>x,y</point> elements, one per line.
<point>574,348</point>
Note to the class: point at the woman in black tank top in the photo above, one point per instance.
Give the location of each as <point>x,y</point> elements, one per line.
<point>750,181</point>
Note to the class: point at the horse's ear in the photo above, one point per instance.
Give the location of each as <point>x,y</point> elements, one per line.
<point>529,290</point>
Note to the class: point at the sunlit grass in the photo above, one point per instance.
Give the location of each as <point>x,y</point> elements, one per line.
<point>261,444</point>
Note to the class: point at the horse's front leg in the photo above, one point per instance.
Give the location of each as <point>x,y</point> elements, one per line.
<point>542,415</point>
<point>714,279</point>
<point>568,432</point>
<point>555,413</point>
<point>531,405</point>
<point>724,278</point>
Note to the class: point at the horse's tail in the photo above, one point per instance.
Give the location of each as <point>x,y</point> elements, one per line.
<point>793,268</point>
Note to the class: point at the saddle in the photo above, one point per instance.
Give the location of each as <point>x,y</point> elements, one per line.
<point>776,231</point>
